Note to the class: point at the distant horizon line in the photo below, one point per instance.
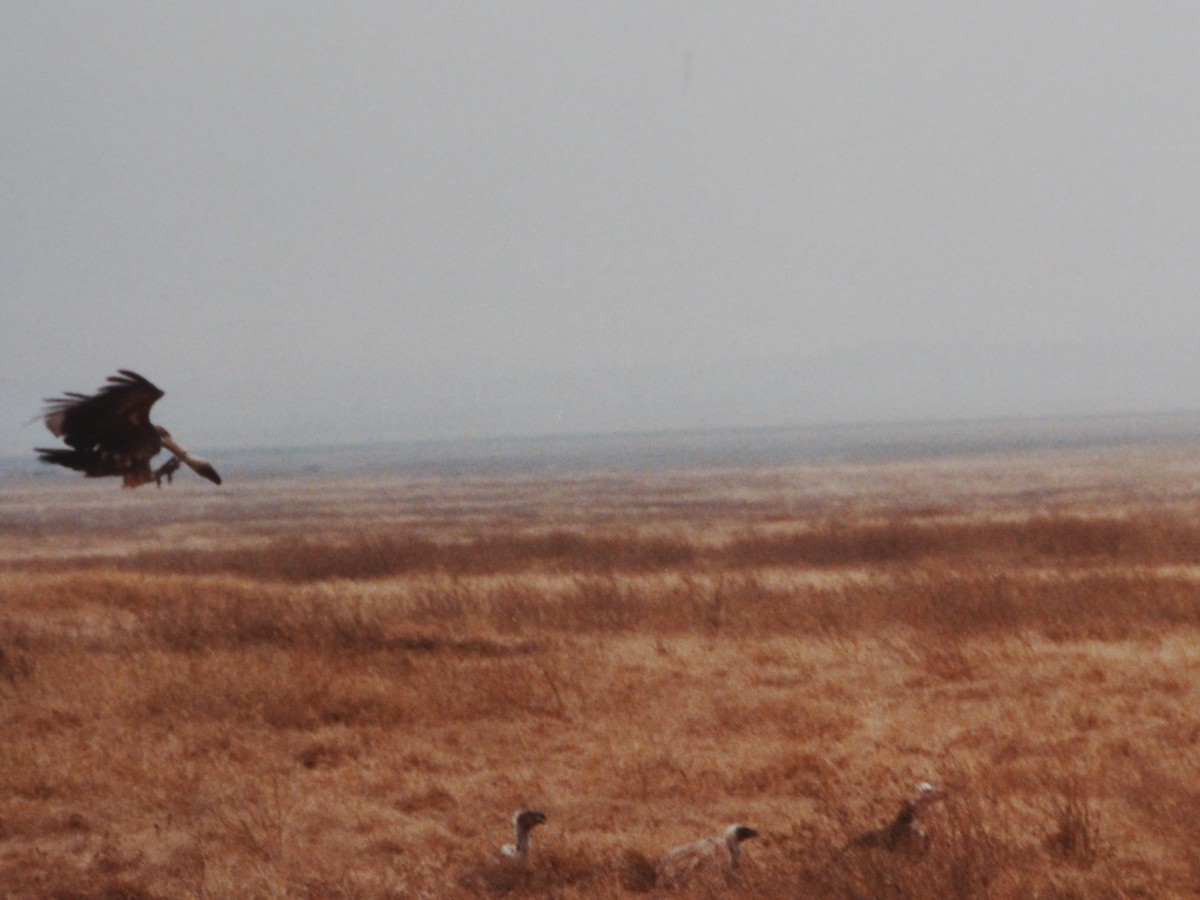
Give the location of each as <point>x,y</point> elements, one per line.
<point>849,424</point>
<point>618,434</point>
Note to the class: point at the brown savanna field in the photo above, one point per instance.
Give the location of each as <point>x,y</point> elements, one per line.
<point>329,685</point>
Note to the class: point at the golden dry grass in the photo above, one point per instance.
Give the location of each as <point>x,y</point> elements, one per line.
<point>343,687</point>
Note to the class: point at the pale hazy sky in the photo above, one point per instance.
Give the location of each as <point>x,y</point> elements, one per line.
<point>323,222</point>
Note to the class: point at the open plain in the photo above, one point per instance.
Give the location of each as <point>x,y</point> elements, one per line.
<point>342,685</point>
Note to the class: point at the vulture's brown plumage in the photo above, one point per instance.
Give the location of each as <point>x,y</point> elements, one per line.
<point>110,433</point>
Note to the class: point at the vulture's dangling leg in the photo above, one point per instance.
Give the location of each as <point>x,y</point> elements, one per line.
<point>166,470</point>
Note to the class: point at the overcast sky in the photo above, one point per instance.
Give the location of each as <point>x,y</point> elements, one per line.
<point>341,222</point>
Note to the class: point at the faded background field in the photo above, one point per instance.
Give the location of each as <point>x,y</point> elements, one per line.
<point>332,677</point>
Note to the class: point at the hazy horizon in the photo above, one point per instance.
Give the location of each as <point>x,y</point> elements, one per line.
<point>391,222</point>
<point>715,449</point>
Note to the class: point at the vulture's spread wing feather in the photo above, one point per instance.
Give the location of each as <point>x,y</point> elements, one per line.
<point>110,419</point>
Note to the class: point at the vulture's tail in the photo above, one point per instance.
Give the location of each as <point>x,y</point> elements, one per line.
<point>79,460</point>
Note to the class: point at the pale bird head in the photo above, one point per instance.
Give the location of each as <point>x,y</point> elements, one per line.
<point>925,794</point>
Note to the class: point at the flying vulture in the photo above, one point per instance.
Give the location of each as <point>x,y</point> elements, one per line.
<point>110,433</point>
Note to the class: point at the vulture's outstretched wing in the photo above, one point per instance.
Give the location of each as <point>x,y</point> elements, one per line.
<point>107,420</point>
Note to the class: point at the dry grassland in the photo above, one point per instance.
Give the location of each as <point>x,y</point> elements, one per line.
<point>343,687</point>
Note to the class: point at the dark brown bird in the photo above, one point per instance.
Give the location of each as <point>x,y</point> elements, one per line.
<point>904,832</point>
<point>110,433</point>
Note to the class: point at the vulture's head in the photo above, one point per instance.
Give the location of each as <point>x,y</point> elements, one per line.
<point>740,833</point>
<point>205,468</point>
<point>197,464</point>
<point>525,819</point>
<point>924,794</point>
